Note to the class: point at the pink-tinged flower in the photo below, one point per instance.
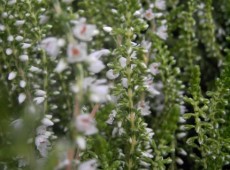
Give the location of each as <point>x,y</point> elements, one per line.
<point>95,64</point>
<point>144,108</point>
<point>50,45</point>
<point>84,32</point>
<point>88,165</point>
<point>76,53</point>
<point>149,14</point>
<point>154,68</point>
<point>86,124</point>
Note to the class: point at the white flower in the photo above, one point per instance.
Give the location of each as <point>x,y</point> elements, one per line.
<point>22,84</point>
<point>21,98</point>
<point>144,108</point>
<point>10,38</point>
<point>111,117</point>
<point>81,142</point>
<point>12,75</point>
<point>137,13</point>
<point>162,32</point>
<point>40,93</point>
<point>50,45</point>
<point>181,135</point>
<point>98,92</point>
<point>160,4</point>
<point>154,68</point>
<point>124,82</point>
<point>97,88</point>
<point>110,75</point>
<point>96,65</point>
<point>149,14</point>
<point>119,130</point>
<point>84,31</point>
<point>147,154</point>
<point>61,66</point>
<point>147,45</point>
<point>179,161</point>
<point>39,100</point>
<point>86,124</point>
<point>24,57</point>
<point>9,51</point>
<point>88,165</point>
<point>107,29</point>
<point>19,22</point>
<point>26,45</point>
<point>2,27</point>
<point>98,54</point>
<point>76,53</point>
<point>122,61</point>
<point>148,83</point>
<point>42,143</point>
<point>35,69</point>
<point>47,122</point>
<point>19,38</point>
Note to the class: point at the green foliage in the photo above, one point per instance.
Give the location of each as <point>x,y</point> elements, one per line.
<point>168,105</point>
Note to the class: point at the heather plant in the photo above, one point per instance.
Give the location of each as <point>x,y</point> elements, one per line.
<point>120,84</point>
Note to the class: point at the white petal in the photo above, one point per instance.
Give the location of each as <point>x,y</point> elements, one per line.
<point>88,165</point>
<point>160,4</point>
<point>22,84</point>
<point>39,100</point>
<point>12,75</point>
<point>98,54</point>
<point>47,122</point>
<point>19,22</point>
<point>26,45</point>
<point>96,67</point>
<point>19,38</point>
<point>124,82</point>
<point>50,45</point>
<point>81,142</point>
<point>9,51</point>
<point>40,92</point>
<point>122,61</point>
<point>61,66</point>
<point>21,98</point>
<point>35,69</point>
<point>107,29</point>
<point>24,58</point>
<point>110,74</point>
